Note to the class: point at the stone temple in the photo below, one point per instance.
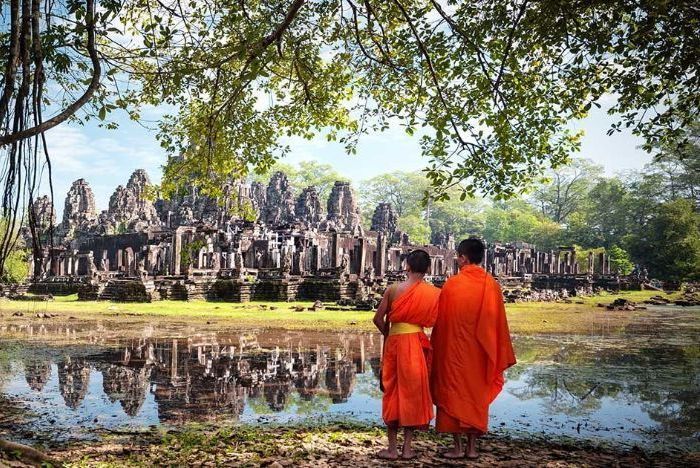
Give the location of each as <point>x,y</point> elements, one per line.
<point>297,247</point>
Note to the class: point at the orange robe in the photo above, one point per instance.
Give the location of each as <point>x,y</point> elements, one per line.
<point>471,349</point>
<point>406,361</point>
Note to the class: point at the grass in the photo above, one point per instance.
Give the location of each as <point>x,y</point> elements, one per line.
<point>252,314</point>
<point>579,316</point>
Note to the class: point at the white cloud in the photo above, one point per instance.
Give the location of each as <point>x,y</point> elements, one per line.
<point>102,157</point>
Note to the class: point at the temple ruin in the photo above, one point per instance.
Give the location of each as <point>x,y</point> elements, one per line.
<point>297,247</point>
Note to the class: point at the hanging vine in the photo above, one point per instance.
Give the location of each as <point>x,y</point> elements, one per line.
<point>44,41</point>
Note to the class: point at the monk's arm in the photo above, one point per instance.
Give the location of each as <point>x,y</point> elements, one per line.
<point>380,315</point>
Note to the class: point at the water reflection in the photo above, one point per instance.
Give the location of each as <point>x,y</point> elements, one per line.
<point>207,377</point>
<point>73,380</point>
<point>37,372</point>
<point>640,388</point>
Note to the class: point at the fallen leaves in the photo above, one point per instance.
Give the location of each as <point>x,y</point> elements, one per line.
<point>339,445</point>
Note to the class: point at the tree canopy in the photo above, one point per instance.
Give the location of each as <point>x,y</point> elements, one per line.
<point>567,189</point>
<point>494,83</point>
<point>646,219</point>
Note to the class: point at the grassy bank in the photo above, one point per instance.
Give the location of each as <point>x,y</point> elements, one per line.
<point>578,316</point>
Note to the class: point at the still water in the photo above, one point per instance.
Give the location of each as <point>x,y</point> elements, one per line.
<point>636,387</point>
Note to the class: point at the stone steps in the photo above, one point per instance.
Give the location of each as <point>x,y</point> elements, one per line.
<point>275,290</point>
<point>56,287</point>
<point>327,290</point>
<point>129,290</point>
<point>198,289</point>
<point>90,292</point>
<point>231,290</point>
<point>173,290</point>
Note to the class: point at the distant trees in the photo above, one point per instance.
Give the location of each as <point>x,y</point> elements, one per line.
<point>648,218</point>
<point>404,190</point>
<point>620,261</point>
<point>567,189</point>
<point>678,165</point>
<point>669,243</point>
<point>461,218</point>
<point>603,218</point>
<point>16,264</point>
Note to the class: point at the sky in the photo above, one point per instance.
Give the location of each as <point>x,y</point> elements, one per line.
<point>106,158</point>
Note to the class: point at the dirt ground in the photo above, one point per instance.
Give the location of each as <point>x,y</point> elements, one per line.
<point>336,445</point>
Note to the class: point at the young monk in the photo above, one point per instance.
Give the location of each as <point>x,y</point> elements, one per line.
<point>472,348</point>
<point>405,309</point>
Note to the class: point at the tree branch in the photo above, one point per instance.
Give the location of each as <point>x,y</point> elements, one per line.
<point>75,106</point>
<point>509,45</point>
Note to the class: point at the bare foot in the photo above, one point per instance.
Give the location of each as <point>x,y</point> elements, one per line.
<point>387,454</point>
<point>472,454</point>
<point>409,454</point>
<point>453,453</point>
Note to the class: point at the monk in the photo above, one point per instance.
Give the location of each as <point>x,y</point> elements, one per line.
<point>405,309</point>
<point>471,350</point>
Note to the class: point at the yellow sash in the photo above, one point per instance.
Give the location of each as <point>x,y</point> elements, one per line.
<point>400,328</point>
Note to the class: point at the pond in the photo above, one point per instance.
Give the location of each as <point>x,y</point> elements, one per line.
<point>638,386</point>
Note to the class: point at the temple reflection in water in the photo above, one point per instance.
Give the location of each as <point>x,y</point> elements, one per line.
<point>206,377</point>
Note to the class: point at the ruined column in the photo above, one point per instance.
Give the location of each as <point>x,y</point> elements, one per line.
<point>380,267</point>
<point>606,264</point>
<point>177,252</point>
<point>335,250</point>
<point>361,254</point>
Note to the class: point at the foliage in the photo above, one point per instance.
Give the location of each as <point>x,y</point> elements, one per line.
<point>677,163</point>
<point>190,252</point>
<point>404,190</point>
<point>416,227</point>
<point>495,82</point>
<point>566,188</point>
<point>245,210</point>
<point>606,215</point>
<point>461,218</point>
<point>16,267</point>
<point>670,242</point>
<point>517,221</point>
<point>620,261</point>
<point>582,256</point>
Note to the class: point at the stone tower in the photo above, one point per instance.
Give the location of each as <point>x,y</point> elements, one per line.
<point>129,207</point>
<point>79,210</point>
<point>279,201</point>
<point>385,219</point>
<point>343,214</point>
<point>308,208</point>
<point>44,214</point>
